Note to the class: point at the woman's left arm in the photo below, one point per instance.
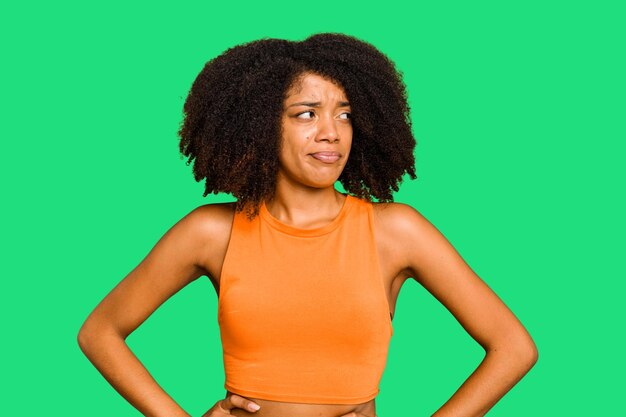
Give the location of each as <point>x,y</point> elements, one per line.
<point>438,267</point>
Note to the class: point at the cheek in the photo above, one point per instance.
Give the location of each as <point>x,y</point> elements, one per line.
<point>346,132</point>
<point>348,138</point>
<point>291,152</point>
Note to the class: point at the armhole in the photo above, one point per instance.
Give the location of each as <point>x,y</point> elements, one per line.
<point>221,283</point>
<point>378,269</point>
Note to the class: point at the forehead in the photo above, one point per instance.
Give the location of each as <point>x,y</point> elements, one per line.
<point>313,85</point>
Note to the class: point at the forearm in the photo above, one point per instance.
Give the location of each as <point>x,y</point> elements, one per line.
<point>499,371</point>
<point>110,354</point>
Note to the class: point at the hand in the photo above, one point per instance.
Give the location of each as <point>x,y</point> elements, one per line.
<point>223,407</point>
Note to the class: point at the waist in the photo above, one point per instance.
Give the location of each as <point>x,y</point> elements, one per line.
<point>289,409</point>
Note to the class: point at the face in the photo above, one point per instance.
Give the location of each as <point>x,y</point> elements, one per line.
<point>317,133</point>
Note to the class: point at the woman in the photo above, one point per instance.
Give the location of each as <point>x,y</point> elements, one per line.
<point>307,277</point>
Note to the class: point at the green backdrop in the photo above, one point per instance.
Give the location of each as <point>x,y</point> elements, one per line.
<point>518,111</point>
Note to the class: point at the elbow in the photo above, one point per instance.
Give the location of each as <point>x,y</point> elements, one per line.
<point>93,335</point>
<point>521,350</point>
<point>83,338</point>
<point>526,349</point>
<point>526,353</point>
<point>532,354</point>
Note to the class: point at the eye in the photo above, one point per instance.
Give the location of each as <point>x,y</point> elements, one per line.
<point>299,115</point>
<point>348,116</point>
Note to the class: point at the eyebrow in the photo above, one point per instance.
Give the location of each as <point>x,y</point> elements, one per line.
<point>317,104</point>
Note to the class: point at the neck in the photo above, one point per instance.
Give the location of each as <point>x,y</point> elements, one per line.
<point>305,207</point>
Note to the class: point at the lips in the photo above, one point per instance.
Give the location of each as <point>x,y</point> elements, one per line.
<point>326,156</point>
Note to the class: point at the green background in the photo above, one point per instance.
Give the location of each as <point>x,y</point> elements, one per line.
<point>518,111</point>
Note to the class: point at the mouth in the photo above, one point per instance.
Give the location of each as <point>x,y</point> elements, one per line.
<point>326,157</point>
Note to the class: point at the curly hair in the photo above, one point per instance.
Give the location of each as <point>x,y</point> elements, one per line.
<point>231,125</point>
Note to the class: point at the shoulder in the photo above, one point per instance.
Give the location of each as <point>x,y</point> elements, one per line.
<point>398,217</point>
<point>208,228</point>
<point>212,215</point>
<point>203,228</point>
<point>406,232</point>
<point>211,221</point>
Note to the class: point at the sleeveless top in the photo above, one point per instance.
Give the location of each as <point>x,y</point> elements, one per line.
<point>303,313</point>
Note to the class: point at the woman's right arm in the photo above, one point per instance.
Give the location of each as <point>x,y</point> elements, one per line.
<point>173,262</point>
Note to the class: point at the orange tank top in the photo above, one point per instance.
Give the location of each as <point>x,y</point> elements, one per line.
<point>303,313</point>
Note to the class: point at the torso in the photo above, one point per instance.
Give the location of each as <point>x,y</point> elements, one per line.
<point>394,276</point>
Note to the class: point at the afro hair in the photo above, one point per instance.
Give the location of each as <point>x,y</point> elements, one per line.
<point>231,123</point>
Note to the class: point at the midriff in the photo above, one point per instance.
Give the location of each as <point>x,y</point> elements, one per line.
<point>288,409</point>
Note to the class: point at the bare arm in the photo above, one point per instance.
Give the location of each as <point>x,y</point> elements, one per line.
<point>436,265</point>
<point>173,263</point>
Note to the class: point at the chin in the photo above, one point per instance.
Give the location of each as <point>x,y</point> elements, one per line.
<point>314,178</point>
<point>321,185</point>
<point>326,183</point>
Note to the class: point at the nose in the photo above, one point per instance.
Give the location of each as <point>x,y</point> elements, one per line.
<point>327,129</point>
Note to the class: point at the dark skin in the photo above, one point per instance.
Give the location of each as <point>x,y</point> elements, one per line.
<point>408,245</point>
